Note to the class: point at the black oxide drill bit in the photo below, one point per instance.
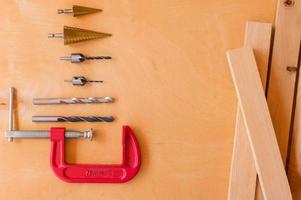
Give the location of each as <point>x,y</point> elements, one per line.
<point>72,119</point>
<point>79,58</point>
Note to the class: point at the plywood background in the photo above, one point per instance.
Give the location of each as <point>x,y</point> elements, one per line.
<point>169,76</point>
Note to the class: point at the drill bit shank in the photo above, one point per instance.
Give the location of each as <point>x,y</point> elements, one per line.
<point>72,119</point>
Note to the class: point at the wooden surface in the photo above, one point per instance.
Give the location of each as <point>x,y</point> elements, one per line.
<point>243,171</point>
<point>258,124</point>
<point>169,75</point>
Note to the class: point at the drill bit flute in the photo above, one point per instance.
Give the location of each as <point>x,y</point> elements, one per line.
<point>72,119</point>
<point>79,58</point>
<point>74,100</point>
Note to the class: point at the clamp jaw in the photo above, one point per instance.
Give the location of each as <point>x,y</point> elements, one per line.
<point>83,173</point>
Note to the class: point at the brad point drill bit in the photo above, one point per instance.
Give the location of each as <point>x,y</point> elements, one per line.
<point>72,119</point>
<point>81,80</point>
<point>74,100</point>
<point>74,35</point>
<point>78,10</point>
<point>78,58</point>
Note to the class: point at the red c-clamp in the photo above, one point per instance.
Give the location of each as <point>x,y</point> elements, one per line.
<point>95,173</point>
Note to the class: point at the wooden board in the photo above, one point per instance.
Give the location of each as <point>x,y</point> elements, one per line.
<point>243,172</point>
<point>282,83</point>
<point>170,79</point>
<point>258,124</point>
<point>281,87</point>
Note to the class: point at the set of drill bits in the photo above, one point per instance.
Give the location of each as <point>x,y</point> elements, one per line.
<point>74,35</point>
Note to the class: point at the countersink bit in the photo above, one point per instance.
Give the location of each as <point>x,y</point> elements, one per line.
<point>74,35</point>
<point>72,119</point>
<point>78,58</point>
<point>78,10</point>
<point>81,80</point>
<point>74,100</point>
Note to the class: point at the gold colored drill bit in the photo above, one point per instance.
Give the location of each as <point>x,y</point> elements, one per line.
<point>74,35</point>
<point>78,10</point>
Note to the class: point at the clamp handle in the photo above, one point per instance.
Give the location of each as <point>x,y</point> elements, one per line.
<point>95,173</point>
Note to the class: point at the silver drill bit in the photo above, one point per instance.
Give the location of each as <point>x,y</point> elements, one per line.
<point>72,119</point>
<point>74,100</point>
<point>81,80</point>
<point>78,58</point>
<point>11,133</point>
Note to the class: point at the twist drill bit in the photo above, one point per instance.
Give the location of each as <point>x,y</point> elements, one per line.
<point>81,80</point>
<point>78,58</point>
<point>74,35</point>
<point>72,119</point>
<point>78,10</point>
<point>74,100</point>
<point>11,133</point>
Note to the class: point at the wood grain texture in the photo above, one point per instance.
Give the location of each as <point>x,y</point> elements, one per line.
<point>282,82</point>
<point>261,135</point>
<point>243,171</point>
<point>171,82</point>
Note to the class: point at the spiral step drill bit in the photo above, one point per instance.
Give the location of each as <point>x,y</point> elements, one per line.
<point>78,10</point>
<point>74,100</point>
<point>72,119</point>
<point>74,35</point>
<point>79,58</point>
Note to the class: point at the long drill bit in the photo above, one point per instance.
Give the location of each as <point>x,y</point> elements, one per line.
<point>72,119</point>
<point>74,100</point>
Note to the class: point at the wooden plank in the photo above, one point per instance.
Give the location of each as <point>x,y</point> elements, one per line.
<point>243,172</point>
<point>282,83</point>
<point>281,88</point>
<point>258,124</point>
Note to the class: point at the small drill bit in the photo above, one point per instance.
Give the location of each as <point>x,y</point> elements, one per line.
<point>78,10</point>
<point>72,119</point>
<point>78,58</point>
<point>81,80</point>
<point>74,100</point>
<point>74,35</point>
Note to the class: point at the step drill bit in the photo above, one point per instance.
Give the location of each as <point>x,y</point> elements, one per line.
<point>78,10</point>
<point>74,100</point>
<point>81,80</point>
<point>79,58</point>
<point>74,35</point>
<point>72,119</point>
